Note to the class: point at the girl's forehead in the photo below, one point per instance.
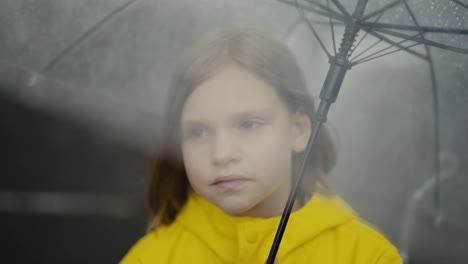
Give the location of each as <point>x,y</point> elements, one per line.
<point>232,90</point>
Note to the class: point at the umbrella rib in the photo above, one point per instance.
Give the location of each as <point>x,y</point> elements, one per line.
<point>331,28</point>
<point>416,28</point>
<point>437,190</point>
<point>383,38</point>
<point>421,40</point>
<point>287,33</point>
<point>85,35</point>
<point>400,46</point>
<point>343,10</point>
<point>382,10</point>
<point>460,3</point>
<point>364,51</point>
<point>327,10</point>
<point>294,3</point>
<point>311,27</point>
<point>291,28</point>
<point>412,16</point>
<point>362,38</point>
<point>381,55</point>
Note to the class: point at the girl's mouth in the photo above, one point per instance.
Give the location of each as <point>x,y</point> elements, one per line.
<point>229,183</point>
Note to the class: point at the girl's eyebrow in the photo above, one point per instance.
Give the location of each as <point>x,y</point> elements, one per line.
<point>254,112</point>
<point>192,123</point>
<point>267,111</point>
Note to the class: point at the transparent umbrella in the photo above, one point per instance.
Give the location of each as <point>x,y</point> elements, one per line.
<point>103,63</point>
<point>403,25</point>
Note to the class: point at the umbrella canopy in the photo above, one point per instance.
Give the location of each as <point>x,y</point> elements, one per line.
<point>364,15</point>
<point>105,66</point>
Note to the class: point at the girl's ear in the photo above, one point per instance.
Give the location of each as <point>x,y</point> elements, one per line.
<point>302,130</point>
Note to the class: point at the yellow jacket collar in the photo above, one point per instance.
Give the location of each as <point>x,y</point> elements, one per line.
<point>212,225</point>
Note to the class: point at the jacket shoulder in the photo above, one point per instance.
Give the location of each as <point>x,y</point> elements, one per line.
<point>144,250</point>
<point>368,244</point>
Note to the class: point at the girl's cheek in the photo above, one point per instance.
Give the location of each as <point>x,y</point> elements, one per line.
<point>194,173</point>
<point>193,162</point>
<point>267,141</point>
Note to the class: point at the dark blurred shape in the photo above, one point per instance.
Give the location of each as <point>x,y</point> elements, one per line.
<point>79,197</point>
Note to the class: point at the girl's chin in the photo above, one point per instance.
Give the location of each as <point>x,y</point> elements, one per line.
<point>237,208</point>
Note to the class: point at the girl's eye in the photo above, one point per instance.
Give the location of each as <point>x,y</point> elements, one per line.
<point>249,124</point>
<point>195,133</point>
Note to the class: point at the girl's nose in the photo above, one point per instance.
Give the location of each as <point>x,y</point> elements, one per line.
<point>224,150</point>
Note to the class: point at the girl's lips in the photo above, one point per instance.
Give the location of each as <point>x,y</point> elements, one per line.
<point>229,182</point>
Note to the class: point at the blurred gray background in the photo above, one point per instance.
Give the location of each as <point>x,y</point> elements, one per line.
<point>82,91</point>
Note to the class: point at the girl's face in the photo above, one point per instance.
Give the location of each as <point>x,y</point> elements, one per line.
<point>237,143</point>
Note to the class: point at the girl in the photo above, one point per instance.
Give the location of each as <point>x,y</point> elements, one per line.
<point>238,120</point>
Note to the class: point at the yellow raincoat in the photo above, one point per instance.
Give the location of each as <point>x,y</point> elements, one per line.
<point>324,231</point>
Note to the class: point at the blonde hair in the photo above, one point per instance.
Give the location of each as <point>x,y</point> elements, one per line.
<point>258,53</point>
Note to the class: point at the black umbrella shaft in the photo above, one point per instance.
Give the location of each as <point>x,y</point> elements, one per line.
<point>359,9</point>
<point>292,197</point>
<point>339,65</point>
